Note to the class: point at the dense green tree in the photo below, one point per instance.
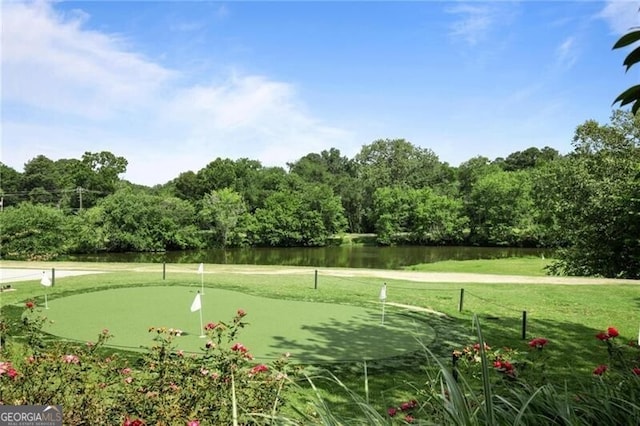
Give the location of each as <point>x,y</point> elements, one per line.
<point>300,215</point>
<point>417,216</point>
<point>389,163</point>
<point>502,209</point>
<point>600,213</point>
<point>437,219</point>
<point>137,221</point>
<point>32,231</point>
<point>390,212</point>
<point>340,173</point>
<point>40,180</point>
<point>222,212</point>
<point>85,231</point>
<point>10,180</point>
<point>529,158</point>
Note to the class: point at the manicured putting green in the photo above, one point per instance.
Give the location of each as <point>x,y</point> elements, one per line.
<point>311,332</point>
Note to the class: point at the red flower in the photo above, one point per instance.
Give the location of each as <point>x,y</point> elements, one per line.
<point>258,369</point>
<point>239,347</point>
<point>476,347</point>
<point>538,342</point>
<point>241,313</point>
<point>599,370</point>
<point>636,371</point>
<point>129,422</point>
<point>210,326</point>
<point>504,367</point>
<point>409,418</point>
<point>193,423</point>
<point>405,406</point>
<point>609,334</point>
<point>392,411</point>
<point>30,304</point>
<point>7,368</point>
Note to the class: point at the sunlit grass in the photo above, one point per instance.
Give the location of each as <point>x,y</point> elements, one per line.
<point>530,266</point>
<point>568,315</point>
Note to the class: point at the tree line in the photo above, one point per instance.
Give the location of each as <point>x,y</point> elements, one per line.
<point>585,203</point>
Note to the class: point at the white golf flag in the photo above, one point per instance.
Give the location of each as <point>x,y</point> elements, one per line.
<point>45,281</point>
<point>201,268</point>
<point>383,292</point>
<point>196,305</point>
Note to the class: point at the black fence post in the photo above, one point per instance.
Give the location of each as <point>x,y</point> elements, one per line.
<point>53,277</point>
<point>164,270</point>
<point>460,305</point>
<point>524,325</point>
<point>315,281</point>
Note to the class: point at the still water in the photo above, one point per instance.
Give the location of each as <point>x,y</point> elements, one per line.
<point>346,257</point>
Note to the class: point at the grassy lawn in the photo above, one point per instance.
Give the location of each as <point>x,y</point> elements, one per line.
<point>568,315</point>
<point>530,266</point>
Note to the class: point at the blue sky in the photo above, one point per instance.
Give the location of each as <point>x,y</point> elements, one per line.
<point>173,85</point>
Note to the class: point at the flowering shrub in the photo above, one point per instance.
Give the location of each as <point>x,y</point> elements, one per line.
<point>405,412</point>
<point>503,360</point>
<point>166,386</point>
<point>624,358</point>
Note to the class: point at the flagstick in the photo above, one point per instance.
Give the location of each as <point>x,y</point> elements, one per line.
<point>201,325</point>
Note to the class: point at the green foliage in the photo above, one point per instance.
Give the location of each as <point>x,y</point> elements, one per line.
<point>599,215</point>
<point>631,95</point>
<point>502,205</point>
<point>303,215</point>
<point>96,386</point>
<point>136,221</point>
<point>222,212</point>
<point>32,231</point>
<point>417,216</point>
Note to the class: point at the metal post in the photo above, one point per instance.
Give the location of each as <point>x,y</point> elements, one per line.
<point>524,325</point>
<point>315,285</point>
<point>164,270</point>
<point>53,277</point>
<point>461,300</point>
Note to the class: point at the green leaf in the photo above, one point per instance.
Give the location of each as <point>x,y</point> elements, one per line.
<point>634,108</point>
<point>627,39</point>
<point>628,96</point>
<point>632,58</point>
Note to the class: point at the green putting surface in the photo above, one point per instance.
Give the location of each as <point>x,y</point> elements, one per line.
<point>311,332</point>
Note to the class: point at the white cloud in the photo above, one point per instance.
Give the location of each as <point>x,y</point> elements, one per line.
<point>621,15</point>
<point>474,23</point>
<point>67,90</point>
<point>567,53</point>
<point>477,21</point>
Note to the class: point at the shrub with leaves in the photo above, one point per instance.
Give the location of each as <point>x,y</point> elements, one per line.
<point>166,387</point>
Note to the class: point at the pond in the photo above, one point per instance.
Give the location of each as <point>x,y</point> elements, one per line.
<point>343,256</point>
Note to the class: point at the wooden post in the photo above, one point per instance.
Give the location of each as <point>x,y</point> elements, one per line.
<point>524,325</point>
<point>164,270</point>
<point>461,300</point>
<point>315,282</point>
<point>53,277</point>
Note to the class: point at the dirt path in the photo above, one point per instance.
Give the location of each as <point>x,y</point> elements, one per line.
<point>15,271</point>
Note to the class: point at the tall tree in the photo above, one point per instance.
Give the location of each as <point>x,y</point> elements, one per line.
<point>389,163</point>
<point>222,211</point>
<point>10,183</point>
<point>600,213</point>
